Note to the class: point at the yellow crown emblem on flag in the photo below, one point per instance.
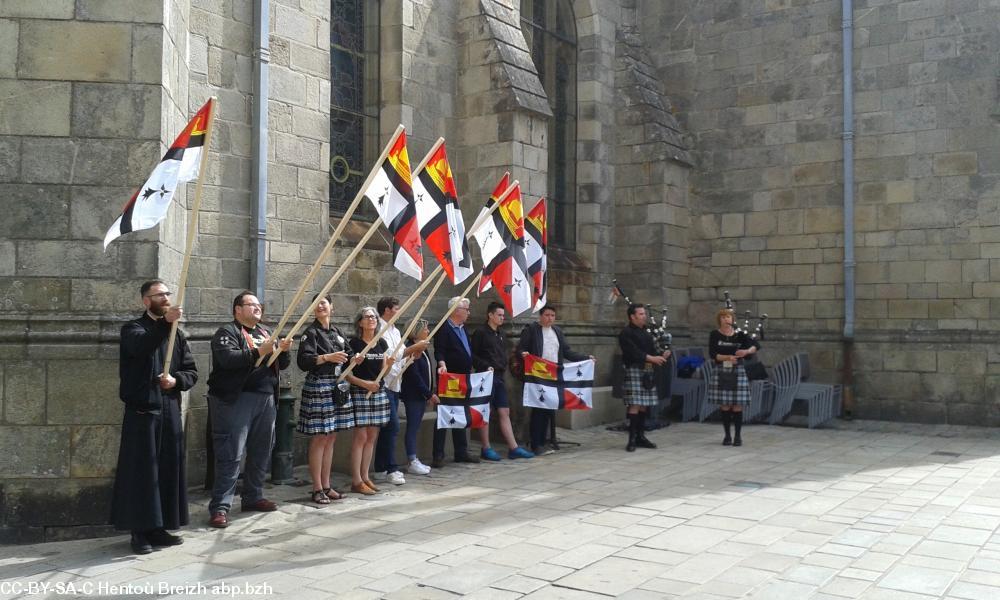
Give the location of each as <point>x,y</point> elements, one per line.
<point>454,386</point>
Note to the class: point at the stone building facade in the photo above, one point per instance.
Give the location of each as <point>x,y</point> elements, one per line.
<point>703,154</point>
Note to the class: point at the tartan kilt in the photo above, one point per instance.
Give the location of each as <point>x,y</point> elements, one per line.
<point>635,394</point>
<point>370,412</point>
<point>317,412</point>
<point>739,397</point>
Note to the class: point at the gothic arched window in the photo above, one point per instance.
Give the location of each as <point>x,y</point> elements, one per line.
<point>550,29</point>
<point>354,97</point>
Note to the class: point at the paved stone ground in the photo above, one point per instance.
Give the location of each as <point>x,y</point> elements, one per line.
<point>852,512</point>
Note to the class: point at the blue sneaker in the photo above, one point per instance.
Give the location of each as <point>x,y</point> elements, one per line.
<point>519,452</point>
<point>490,454</point>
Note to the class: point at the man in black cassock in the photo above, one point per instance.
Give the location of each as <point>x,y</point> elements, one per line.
<point>150,494</point>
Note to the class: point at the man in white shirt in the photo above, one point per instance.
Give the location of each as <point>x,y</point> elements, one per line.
<point>546,340</point>
<point>385,466</point>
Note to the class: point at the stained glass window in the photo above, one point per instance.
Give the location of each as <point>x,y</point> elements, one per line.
<point>354,97</point>
<point>550,29</point>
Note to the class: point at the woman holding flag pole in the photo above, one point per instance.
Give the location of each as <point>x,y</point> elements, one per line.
<point>370,412</point>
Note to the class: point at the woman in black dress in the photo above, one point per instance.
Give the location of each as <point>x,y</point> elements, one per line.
<point>730,388</point>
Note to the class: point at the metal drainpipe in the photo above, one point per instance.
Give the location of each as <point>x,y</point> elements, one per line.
<point>847,8</point>
<point>262,59</point>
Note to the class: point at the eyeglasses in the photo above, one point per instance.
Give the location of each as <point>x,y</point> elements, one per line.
<point>369,317</point>
<point>260,306</point>
<point>161,295</point>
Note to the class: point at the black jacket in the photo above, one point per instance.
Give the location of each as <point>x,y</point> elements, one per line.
<point>489,349</point>
<point>141,354</point>
<point>233,361</point>
<point>316,341</point>
<point>449,348</point>
<point>531,341</point>
<point>418,379</point>
<point>636,344</point>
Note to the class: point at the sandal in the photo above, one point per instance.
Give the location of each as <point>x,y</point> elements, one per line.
<point>371,485</point>
<point>320,497</point>
<point>363,489</point>
<point>333,494</point>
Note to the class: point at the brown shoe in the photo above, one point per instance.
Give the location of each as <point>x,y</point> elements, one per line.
<point>372,486</point>
<point>262,505</point>
<point>361,488</point>
<point>219,520</point>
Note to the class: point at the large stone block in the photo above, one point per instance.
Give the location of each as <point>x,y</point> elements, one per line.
<point>24,393</point>
<point>64,259</point>
<point>95,403</point>
<point>49,503</point>
<point>32,211</point>
<point>113,110</point>
<point>94,450</point>
<point>903,360</point>
<point>34,294</point>
<point>138,11</point>
<point>956,163</point>
<point>32,9</point>
<point>34,452</point>
<point>75,51</point>
<point>35,108</point>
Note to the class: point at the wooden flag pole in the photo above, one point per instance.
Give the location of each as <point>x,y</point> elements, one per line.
<point>326,288</point>
<point>333,238</point>
<point>192,230</point>
<point>399,313</point>
<point>409,329</point>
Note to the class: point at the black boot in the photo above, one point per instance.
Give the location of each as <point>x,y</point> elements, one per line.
<point>727,417</point>
<point>633,426</point>
<point>640,435</point>
<point>738,422</point>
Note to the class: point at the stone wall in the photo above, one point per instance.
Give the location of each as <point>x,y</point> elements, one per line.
<point>81,122</point>
<point>759,88</point>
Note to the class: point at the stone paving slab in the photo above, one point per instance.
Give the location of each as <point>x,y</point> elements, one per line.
<point>864,510</point>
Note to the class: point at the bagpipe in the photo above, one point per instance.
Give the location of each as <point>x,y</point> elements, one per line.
<point>758,331</point>
<point>754,368</point>
<point>661,337</point>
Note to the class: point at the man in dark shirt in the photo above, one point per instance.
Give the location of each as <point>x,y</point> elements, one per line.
<point>639,357</point>
<point>150,492</point>
<point>241,407</point>
<point>489,351</point>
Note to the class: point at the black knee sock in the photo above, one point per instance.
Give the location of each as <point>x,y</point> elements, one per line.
<point>641,427</point>
<point>727,417</point>
<point>738,422</point>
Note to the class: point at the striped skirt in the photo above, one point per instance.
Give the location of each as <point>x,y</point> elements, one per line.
<point>317,412</point>
<point>740,396</point>
<point>635,394</point>
<point>372,411</point>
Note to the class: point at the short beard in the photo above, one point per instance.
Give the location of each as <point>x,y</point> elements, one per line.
<point>159,310</point>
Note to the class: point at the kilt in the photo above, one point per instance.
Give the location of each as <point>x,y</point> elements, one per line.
<point>740,396</point>
<point>369,412</point>
<point>317,412</point>
<point>635,394</point>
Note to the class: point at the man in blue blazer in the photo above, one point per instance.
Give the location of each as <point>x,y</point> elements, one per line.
<point>454,355</point>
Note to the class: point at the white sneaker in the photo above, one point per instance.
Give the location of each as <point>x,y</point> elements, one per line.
<point>417,468</point>
<point>379,475</point>
<point>396,478</point>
